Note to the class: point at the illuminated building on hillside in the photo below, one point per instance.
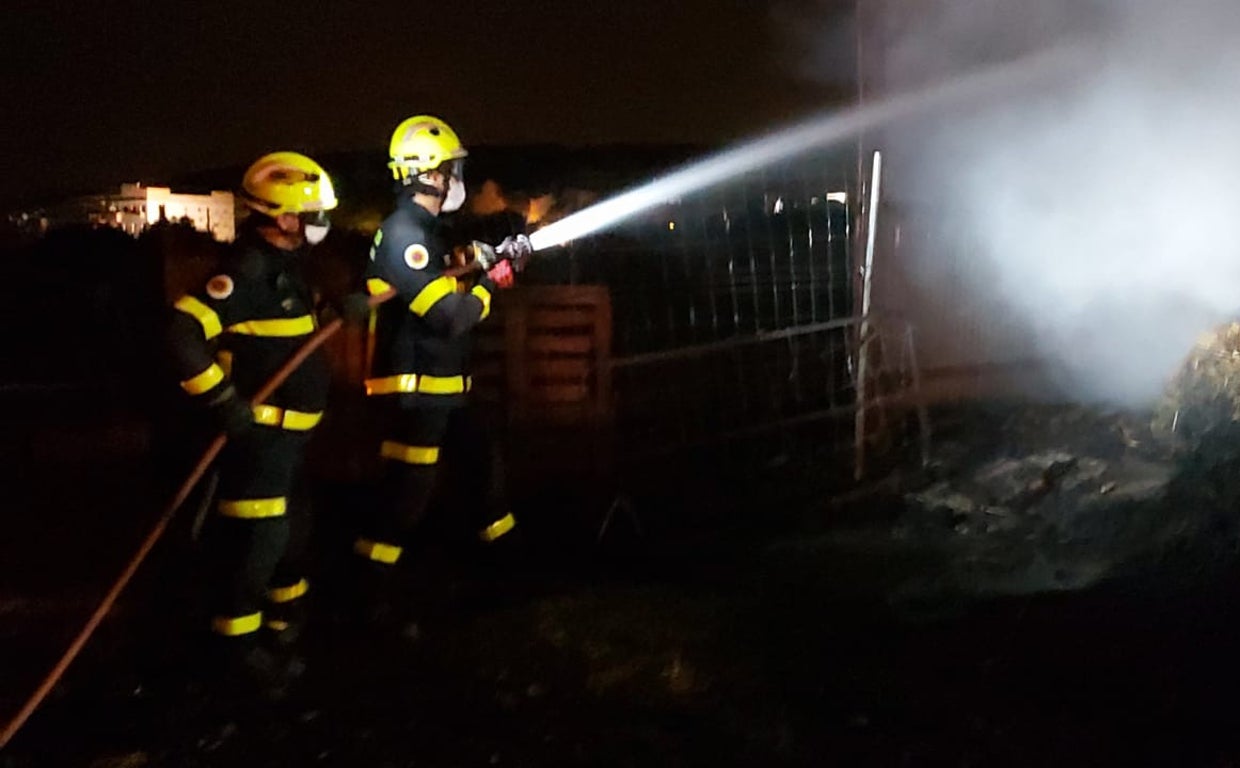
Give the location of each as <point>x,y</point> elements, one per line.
<point>136,207</point>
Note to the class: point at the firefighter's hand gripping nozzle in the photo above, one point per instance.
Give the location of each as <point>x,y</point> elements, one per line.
<point>500,263</point>
<point>514,248</point>
<point>484,255</point>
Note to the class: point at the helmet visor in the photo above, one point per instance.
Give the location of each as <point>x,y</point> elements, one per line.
<point>453,169</point>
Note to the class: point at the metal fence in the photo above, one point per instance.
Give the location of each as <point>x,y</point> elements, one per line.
<point>734,314</point>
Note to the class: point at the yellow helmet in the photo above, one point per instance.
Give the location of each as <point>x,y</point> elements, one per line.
<point>287,182</point>
<point>420,144</point>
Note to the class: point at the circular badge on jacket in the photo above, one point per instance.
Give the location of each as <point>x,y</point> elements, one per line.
<point>220,287</point>
<point>417,257</point>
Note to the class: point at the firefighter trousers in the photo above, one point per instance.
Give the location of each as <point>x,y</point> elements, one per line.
<point>256,541</point>
<point>426,444</point>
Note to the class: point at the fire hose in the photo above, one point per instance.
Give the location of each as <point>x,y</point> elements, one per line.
<point>204,463</point>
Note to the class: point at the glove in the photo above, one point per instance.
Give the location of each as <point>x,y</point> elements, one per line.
<point>484,255</point>
<point>232,415</point>
<point>501,274</point>
<point>355,308</point>
<point>517,249</point>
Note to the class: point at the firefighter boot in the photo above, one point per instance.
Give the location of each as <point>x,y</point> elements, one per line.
<point>284,623</point>
<point>498,573</point>
<point>252,668</point>
<point>375,608</point>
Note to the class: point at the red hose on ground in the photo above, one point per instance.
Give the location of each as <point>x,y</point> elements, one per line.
<point>148,543</point>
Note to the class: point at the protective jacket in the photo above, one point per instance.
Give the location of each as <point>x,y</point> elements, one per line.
<point>422,342</point>
<point>245,323</point>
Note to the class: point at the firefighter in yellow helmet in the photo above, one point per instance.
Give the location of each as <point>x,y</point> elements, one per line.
<point>225,341</point>
<point>419,379</point>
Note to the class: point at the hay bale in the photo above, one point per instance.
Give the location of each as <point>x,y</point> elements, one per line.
<point>1204,394</point>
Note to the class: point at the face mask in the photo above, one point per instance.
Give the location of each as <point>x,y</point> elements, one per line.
<point>315,233</point>
<point>315,225</point>
<point>455,197</point>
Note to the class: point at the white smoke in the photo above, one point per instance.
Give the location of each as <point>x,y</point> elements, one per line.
<point>1105,215</point>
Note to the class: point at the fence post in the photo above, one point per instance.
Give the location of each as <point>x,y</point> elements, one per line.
<point>867,278</point>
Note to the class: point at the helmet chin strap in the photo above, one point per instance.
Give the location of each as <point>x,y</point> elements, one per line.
<point>416,185</point>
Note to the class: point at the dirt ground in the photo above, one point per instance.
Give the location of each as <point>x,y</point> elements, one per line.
<point>773,625</point>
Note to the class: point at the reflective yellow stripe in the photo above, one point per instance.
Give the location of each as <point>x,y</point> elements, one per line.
<point>377,551</point>
<point>289,593</point>
<point>498,528</point>
<point>280,417</point>
<point>485,297</point>
<point>205,316</point>
<point>224,358</point>
<point>275,625</point>
<point>444,385</point>
<point>412,382</point>
<point>375,286</point>
<point>409,454</point>
<point>204,381</point>
<point>236,625</point>
<point>433,292</point>
<point>406,382</point>
<point>370,341</point>
<point>280,326</point>
<point>301,421</point>
<point>252,508</point>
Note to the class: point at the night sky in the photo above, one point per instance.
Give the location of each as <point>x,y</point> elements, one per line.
<point>99,93</point>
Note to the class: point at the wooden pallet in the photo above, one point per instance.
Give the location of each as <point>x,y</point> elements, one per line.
<point>545,356</point>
